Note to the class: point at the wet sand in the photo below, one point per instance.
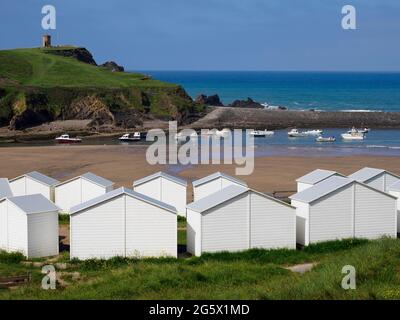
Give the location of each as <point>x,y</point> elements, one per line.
<point>123,164</point>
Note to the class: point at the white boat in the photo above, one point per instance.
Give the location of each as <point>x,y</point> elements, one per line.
<point>313,132</point>
<point>364,130</point>
<point>65,138</point>
<point>353,134</point>
<point>127,137</point>
<point>296,133</point>
<point>325,139</point>
<point>261,133</point>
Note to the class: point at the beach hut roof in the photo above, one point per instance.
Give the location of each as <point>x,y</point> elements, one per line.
<point>395,186</point>
<point>39,177</point>
<point>217,175</point>
<point>35,203</point>
<point>116,193</point>
<point>321,189</point>
<point>158,175</point>
<point>5,190</point>
<point>217,198</point>
<point>317,176</point>
<point>102,182</point>
<point>225,195</point>
<point>366,174</point>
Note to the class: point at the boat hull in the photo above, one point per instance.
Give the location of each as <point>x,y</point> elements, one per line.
<point>350,137</point>
<point>129,139</point>
<point>69,141</point>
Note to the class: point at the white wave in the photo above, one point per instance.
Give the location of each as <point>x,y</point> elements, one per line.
<point>360,110</point>
<point>376,146</point>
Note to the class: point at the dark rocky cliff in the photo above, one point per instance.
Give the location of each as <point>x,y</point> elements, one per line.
<point>80,54</point>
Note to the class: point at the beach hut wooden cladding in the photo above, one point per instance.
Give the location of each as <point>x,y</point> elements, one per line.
<point>314,177</point>
<point>29,224</point>
<point>213,183</point>
<point>339,208</point>
<point>394,190</point>
<point>123,223</point>
<point>164,187</point>
<point>377,178</point>
<point>80,189</point>
<point>33,183</point>
<point>237,218</point>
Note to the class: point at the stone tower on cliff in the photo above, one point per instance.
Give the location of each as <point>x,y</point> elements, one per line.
<point>46,41</point>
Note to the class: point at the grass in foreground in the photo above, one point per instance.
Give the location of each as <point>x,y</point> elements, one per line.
<point>254,274</point>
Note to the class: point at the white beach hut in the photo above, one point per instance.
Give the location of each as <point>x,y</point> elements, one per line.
<point>394,190</point>
<point>80,189</point>
<point>29,224</point>
<point>215,182</point>
<point>237,218</point>
<point>164,187</point>
<point>377,178</point>
<point>5,192</point>
<point>33,183</point>
<point>5,189</point>
<point>339,208</point>
<point>123,223</point>
<point>314,177</point>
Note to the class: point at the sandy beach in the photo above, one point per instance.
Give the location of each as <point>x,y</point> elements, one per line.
<point>123,164</point>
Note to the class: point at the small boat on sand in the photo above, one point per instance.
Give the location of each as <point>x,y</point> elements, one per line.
<point>65,138</point>
<point>127,137</point>
<point>325,139</point>
<point>261,133</point>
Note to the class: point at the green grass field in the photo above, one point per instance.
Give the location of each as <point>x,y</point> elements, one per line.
<point>253,274</point>
<point>35,67</point>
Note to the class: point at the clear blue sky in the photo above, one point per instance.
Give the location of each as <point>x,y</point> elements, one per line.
<point>216,34</point>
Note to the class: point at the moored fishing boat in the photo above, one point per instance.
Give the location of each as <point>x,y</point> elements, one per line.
<point>294,133</point>
<point>65,138</point>
<point>261,133</point>
<point>364,130</point>
<point>127,137</point>
<point>325,139</point>
<point>353,134</point>
<point>313,132</point>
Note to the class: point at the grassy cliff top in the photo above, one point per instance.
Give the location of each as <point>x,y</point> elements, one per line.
<point>37,67</point>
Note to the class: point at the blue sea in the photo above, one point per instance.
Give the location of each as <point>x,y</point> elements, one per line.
<point>326,91</point>
<point>355,91</point>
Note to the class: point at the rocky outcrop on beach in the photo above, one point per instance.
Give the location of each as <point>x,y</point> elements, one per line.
<point>249,103</point>
<point>112,66</point>
<point>276,119</point>
<point>29,118</point>
<point>89,107</point>
<point>212,100</point>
